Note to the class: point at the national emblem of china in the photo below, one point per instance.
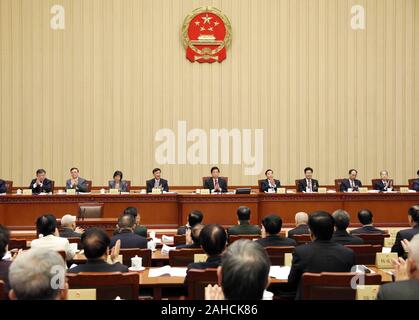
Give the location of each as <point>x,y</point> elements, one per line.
<point>206,35</point>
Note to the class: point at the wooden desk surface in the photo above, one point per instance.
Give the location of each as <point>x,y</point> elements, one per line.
<point>156,255</point>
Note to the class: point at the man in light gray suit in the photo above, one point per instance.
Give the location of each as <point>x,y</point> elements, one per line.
<point>76,182</point>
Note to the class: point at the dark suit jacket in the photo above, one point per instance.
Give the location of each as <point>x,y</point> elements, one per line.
<point>400,290</point>
<point>98,266</point>
<point>265,185</point>
<point>69,233</point>
<point>123,185</point>
<point>379,185</point>
<point>3,187</point>
<point>188,246</point>
<point>129,240</point>
<point>141,231</point>
<point>301,229</point>
<point>345,185</point>
<point>302,185</point>
<point>319,256</point>
<point>81,185</point>
<point>276,241</point>
<point>212,262</point>
<point>367,229</point>
<point>46,186</point>
<point>209,184</point>
<point>182,230</point>
<point>404,234</point>
<point>244,228</point>
<point>415,185</point>
<point>162,183</point>
<point>344,238</point>
<point>4,276</point>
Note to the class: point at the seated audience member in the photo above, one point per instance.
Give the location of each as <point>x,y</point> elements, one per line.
<point>244,226</point>
<point>4,264</point>
<point>415,185</point>
<point>406,285</point>
<point>243,274</point>
<point>126,226</point>
<point>96,248</point>
<point>365,217</point>
<point>68,227</point>
<point>118,183</point>
<point>195,217</point>
<point>213,239</point>
<point>31,276</point>
<point>3,186</point>
<point>192,238</point>
<point>408,234</point>
<point>46,228</point>
<point>342,220</point>
<point>139,229</point>
<point>321,255</point>
<point>301,226</point>
<point>271,227</point>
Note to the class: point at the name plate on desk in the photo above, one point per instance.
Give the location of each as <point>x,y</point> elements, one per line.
<point>27,192</point>
<point>82,294</point>
<point>322,190</point>
<point>384,260</point>
<point>288,259</point>
<point>363,190</point>
<point>369,292</point>
<point>71,191</point>
<point>200,257</point>
<point>282,190</point>
<point>113,191</point>
<point>156,191</point>
<point>404,190</point>
<point>205,191</point>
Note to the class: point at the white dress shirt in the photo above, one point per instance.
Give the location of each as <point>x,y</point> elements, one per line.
<point>54,243</point>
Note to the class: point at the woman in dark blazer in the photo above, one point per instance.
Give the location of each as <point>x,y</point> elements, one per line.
<point>118,183</point>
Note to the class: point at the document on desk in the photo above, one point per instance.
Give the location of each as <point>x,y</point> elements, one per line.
<point>280,273</point>
<point>167,271</point>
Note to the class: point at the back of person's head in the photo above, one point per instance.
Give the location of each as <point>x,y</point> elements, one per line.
<point>196,232</point>
<point>301,218</point>
<point>4,240</point>
<point>126,221</point>
<point>33,275</point>
<point>272,224</point>
<point>213,239</point>
<point>321,225</point>
<point>67,221</point>
<point>245,271</point>
<point>46,225</point>
<point>414,213</point>
<point>243,213</point>
<point>365,216</point>
<point>95,243</point>
<point>132,211</point>
<point>195,217</point>
<point>342,219</point>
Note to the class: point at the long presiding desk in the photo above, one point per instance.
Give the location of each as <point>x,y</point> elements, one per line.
<point>19,212</point>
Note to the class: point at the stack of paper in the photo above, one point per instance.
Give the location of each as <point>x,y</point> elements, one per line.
<point>167,271</point>
<point>165,249</point>
<point>280,273</point>
<point>167,239</point>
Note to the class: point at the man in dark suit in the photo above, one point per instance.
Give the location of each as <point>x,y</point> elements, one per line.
<point>308,184</point>
<point>342,220</point>
<point>192,238</point>
<point>408,234</point>
<point>215,183</point>
<point>244,226</point>
<point>406,286</point>
<point>139,229</point>
<point>69,228</point>
<point>351,184</point>
<point>384,184</point>
<point>3,187</point>
<point>271,227</point>
<point>126,225</point>
<point>96,247</point>
<point>4,264</point>
<point>321,255</point>
<point>301,226</point>
<point>195,217</point>
<point>270,184</point>
<point>77,183</point>
<point>157,182</point>
<point>415,185</point>
<point>365,217</point>
<point>41,184</point>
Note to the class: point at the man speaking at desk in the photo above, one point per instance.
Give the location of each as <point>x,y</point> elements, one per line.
<point>41,184</point>
<point>215,183</point>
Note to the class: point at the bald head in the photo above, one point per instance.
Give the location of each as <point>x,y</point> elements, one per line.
<point>301,218</point>
<point>126,221</point>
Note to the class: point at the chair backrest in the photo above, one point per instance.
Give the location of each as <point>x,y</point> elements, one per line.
<point>52,185</point>
<point>75,240</point>
<point>365,253</point>
<point>232,238</point>
<point>127,254</point>
<point>297,182</point>
<point>333,285</point>
<point>260,181</point>
<point>2,285</point>
<point>277,254</point>
<point>89,185</point>
<point>373,238</point>
<point>17,244</point>
<point>301,238</point>
<point>90,210</point>
<point>411,181</point>
<point>179,239</point>
<point>128,185</point>
<point>183,257</point>
<point>204,179</point>
<point>338,182</point>
<point>9,186</point>
<point>108,285</point>
<point>197,280</point>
